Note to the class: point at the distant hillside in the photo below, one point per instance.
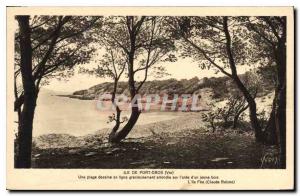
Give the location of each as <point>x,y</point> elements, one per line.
<point>220,87</point>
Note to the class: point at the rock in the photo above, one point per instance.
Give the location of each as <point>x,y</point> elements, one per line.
<point>90,154</point>
<point>72,151</point>
<point>37,155</point>
<point>219,159</point>
<point>137,163</point>
<point>106,145</point>
<point>108,153</point>
<point>171,143</point>
<point>115,149</point>
<point>152,165</point>
<point>167,162</point>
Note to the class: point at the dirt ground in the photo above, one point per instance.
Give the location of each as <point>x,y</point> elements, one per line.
<point>187,149</point>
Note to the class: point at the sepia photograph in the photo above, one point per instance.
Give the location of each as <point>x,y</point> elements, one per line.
<point>151,91</point>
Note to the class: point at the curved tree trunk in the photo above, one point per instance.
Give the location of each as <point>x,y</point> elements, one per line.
<point>135,112</point>
<point>259,136</point>
<point>120,135</point>
<point>115,135</point>
<point>118,111</point>
<point>253,118</point>
<point>251,101</point>
<point>117,125</point>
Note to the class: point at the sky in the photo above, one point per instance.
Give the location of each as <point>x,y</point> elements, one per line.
<point>181,69</point>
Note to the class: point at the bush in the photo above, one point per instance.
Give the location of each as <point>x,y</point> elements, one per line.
<point>226,116</point>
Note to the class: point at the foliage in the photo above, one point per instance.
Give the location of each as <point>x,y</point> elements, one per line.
<point>263,117</point>
<point>204,40</point>
<point>58,43</point>
<point>264,34</point>
<point>113,118</point>
<point>143,37</point>
<point>133,45</point>
<point>233,110</point>
<point>235,105</point>
<point>212,116</point>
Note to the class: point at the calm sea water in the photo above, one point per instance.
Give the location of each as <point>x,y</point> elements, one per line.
<point>56,114</point>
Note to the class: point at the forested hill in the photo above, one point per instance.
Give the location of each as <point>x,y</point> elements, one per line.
<point>220,86</point>
<point>169,86</point>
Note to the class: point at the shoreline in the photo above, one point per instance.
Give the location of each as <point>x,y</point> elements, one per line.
<point>190,121</point>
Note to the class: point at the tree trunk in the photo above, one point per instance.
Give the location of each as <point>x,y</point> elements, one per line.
<point>226,121</point>
<point>24,139</point>
<point>280,118</point>
<point>276,126</point>
<point>237,116</point>
<point>212,123</point>
<point>23,158</point>
<point>259,136</point>
<point>254,120</point>
<point>118,113</point>
<point>251,102</point>
<point>235,121</point>
<point>270,129</point>
<point>135,112</point>
<point>118,136</point>
<point>277,121</point>
<point>117,125</point>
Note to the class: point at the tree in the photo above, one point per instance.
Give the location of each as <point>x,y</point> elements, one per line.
<point>232,111</point>
<point>46,47</point>
<point>219,43</point>
<point>111,65</point>
<point>252,82</point>
<point>144,42</point>
<point>228,115</point>
<point>269,37</point>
